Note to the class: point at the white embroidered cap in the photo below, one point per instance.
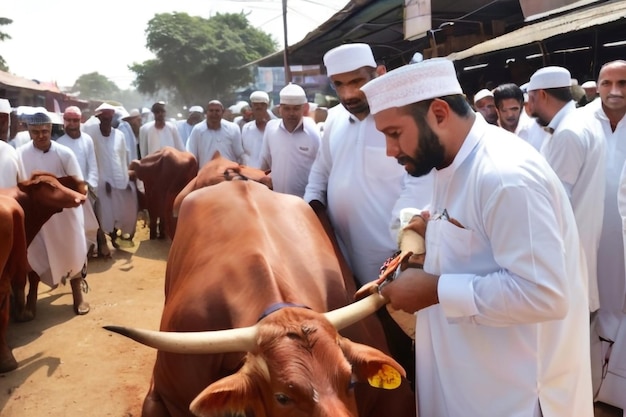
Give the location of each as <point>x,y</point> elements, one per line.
<point>348,57</point>
<point>431,78</point>
<point>550,77</point>
<point>196,109</point>
<point>5,106</point>
<point>482,94</point>
<point>292,94</point>
<point>104,107</point>
<point>589,84</point>
<point>259,97</point>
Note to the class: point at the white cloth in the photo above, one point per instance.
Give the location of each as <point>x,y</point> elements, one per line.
<point>204,142</point>
<point>251,139</point>
<point>529,130</point>
<point>577,155</point>
<point>152,139</point>
<point>611,274</point>
<point>59,249</point>
<point>117,209</point>
<point>86,156</point>
<point>184,130</point>
<point>416,192</point>
<point>289,155</point>
<point>359,184</point>
<point>511,331</point>
<point>9,165</point>
<point>131,140</point>
<point>20,139</point>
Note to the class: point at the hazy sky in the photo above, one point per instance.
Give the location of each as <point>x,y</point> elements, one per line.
<point>60,40</point>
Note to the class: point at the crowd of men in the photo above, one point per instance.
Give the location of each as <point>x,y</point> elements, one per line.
<point>521,189</point>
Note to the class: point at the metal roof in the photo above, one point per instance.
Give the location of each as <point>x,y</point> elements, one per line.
<point>541,31</point>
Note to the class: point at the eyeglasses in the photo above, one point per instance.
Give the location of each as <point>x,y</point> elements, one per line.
<point>71,120</point>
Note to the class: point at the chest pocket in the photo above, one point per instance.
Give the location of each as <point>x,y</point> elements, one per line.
<point>448,248</point>
<point>379,166</point>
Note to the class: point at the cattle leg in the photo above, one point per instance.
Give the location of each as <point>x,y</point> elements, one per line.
<point>153,405</point>
<point>26,307</point>
<point>7,360</point>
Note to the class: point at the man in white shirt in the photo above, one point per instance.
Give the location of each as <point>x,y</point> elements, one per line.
<point>501,303</point>
<point>216,134</point>
<point>5,119</point>
<point>484,103</point>
<point>196,115</point>
<point>252,132</point>
<point>59,250</point>
<point>81,145</point>
<point>577,157</point>
<point>158,134</point>
<point>9,166</point>
<point>290,144</point>
<point>509,100</point>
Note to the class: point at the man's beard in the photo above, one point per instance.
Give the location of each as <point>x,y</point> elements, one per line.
<point>430,153</point>
<point>356,106</point>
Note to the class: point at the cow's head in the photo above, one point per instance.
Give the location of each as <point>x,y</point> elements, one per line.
<point>46,190</point>
<point>297,364</point>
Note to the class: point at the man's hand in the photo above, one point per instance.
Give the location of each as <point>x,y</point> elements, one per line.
<point>412,291</point>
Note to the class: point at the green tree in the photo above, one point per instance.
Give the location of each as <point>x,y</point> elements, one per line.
<point>4,36</point>
<point>94,86</point>
<point>200,59</point>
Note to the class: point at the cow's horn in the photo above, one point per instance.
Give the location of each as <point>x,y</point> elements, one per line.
<point>218,341</point>
<point>352,313</point>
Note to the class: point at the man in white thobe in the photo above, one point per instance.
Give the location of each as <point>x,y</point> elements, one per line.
<point>59,250</point>
<point>9,166</point>
<point>502,318</point>
<point>159,134</point>
<point>252,132</point>
<point>290,144</point>
<point>196,115</point>
<point>215,135</point>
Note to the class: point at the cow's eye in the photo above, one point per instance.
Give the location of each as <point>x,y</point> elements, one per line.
<point>282,398</point>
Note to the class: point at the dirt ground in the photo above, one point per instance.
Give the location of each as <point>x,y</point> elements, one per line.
<point>70,366</point>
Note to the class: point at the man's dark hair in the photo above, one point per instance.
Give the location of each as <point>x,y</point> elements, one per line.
<point>562,94</point>
<point>507,91</point>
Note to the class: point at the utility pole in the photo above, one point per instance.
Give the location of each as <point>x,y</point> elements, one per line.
<point>285,52</point>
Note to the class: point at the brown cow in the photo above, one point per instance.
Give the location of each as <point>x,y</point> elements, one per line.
<point>261,250</point>
<point>23,210</point>
<point>164,174</point>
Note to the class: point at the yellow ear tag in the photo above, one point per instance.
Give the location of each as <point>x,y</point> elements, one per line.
<point>386,378</point>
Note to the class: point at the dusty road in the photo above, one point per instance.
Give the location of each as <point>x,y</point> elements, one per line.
<point>68,365</point>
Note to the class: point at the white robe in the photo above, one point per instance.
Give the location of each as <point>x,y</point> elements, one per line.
<point>289,155</point>
<point>9,165</point>
<point>577,155</point>
<point>359,184</point>
<point>119,208</point>
<point>511,331</point>
<point>204,142</point>
<point>251,139</point>
<point>59,250</point>
<point>152,139</point>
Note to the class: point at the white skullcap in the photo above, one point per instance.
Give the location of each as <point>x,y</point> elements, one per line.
<point>196,109</point>
<point>104,107</point>
<point>132,113</point>
<point>549,77</point>
<point>5,106</point>
<point>431,78</point>
<point>589,84</point>
<point>121,112</point>
<point>482,94</point>
<point>292,94</point>
<point>259,97</point>
<point>75,110</point>
<point>524,87</point>
<point>348,57</point>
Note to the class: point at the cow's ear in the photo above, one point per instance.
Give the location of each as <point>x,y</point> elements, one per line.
<point>232,395</point>
<point>372,366</point>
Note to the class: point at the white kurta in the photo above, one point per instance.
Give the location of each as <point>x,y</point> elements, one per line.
<point>359,184</point>
<point>511,332</point>
<point>86,156</point>
<point>184,130</point>
<point>117,209</point>
<point>204,142</point>
<point>131,140</point>
<point>577,155</point>
<point>251,139</point>
<point>152,139</point>
<point>611,274</point>
<point>289,155</point>
<point>59,250</point>
<point>9,165</point>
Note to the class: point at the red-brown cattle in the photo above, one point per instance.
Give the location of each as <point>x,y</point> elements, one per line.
<point>164,174</point>
<point>23,210</point>
<point>240,252</point>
